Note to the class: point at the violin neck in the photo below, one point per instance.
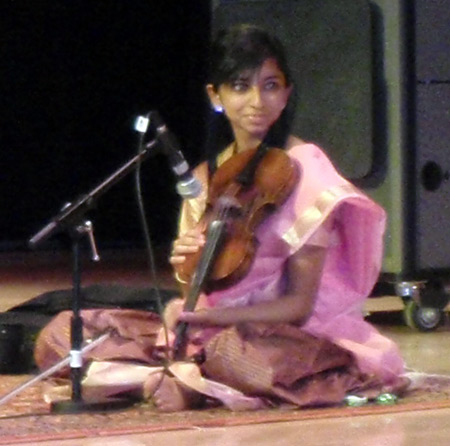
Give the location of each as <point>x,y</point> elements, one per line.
<point>216,230</point>
<point>214,237</point>
<point>246,176</point>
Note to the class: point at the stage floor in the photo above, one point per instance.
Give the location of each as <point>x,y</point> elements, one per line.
<point>26,275</point>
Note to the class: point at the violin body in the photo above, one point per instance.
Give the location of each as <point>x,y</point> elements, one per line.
<point>243,191</point>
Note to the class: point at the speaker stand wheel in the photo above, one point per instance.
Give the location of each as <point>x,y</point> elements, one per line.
<point>422,318</point>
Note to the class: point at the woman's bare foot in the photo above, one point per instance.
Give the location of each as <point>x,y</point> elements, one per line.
<point>167,394</point>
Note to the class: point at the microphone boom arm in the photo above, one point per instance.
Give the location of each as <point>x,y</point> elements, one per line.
<point>71,213</point>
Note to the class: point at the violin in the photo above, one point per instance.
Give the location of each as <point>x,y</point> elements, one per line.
<point>243,191</point>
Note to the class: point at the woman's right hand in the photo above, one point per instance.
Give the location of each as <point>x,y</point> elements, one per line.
<point>172,312</point>
<point>188,243</point>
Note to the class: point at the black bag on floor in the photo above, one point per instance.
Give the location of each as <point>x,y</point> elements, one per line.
<point>20,325</point>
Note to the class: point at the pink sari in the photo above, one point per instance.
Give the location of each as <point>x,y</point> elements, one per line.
<point>352,265</point>
<point>336,351</point>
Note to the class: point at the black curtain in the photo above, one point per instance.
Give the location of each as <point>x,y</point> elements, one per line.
<point>75,76</point>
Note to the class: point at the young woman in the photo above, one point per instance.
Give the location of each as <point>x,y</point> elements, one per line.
<point>291,330</point>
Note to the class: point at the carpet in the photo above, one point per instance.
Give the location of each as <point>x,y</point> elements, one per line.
<point>27,418</point>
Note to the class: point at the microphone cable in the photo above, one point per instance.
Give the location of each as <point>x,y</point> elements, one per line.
<point>149,246</point>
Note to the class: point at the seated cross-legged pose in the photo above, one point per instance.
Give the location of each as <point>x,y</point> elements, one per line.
<point>291,329</point>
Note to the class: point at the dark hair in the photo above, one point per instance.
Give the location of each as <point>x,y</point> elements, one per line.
<point>238,48</point>
<point>244,47</point>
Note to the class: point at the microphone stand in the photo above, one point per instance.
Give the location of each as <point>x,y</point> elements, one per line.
<point>72,213</point>
<point>71,219</point>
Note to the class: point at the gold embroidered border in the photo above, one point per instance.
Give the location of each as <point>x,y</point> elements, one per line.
<point>314,215</point>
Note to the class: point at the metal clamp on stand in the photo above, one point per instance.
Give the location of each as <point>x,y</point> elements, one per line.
<point>88,228</point>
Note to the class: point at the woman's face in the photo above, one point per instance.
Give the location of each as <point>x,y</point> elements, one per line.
<point>254,101</point>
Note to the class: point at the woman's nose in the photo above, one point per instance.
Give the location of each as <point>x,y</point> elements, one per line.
<point>256,98</point>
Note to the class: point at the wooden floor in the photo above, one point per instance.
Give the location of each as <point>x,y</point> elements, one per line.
<point>25,275</point>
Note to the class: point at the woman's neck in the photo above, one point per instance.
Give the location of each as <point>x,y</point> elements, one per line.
<point>243,144</point>
<point>238,146</point>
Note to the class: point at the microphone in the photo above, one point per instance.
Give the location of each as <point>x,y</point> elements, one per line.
<point>188,186</point>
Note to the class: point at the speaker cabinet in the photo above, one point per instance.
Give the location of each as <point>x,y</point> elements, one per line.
<point>415,190</point>
<point>432,19</point>
<point>432,176</point>
<point>373,91</point>
<point>432,59</point>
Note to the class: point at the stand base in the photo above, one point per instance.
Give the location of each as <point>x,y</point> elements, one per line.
<point>81,406</point>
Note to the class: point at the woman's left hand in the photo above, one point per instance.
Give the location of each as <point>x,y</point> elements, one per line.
<point>200,317</point>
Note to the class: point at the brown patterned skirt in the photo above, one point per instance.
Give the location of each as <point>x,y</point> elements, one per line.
<point>280,363</point>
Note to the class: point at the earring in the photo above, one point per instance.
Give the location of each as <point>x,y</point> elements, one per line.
<point>218,109</point>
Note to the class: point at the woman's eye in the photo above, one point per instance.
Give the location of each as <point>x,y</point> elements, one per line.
<point>240,85</point>
<point>272,85</point>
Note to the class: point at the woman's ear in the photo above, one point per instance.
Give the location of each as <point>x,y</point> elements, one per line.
<point>214,98</point>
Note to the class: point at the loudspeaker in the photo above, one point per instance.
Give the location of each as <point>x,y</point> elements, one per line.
<point>415,190</point>
<point>432,176</point>
<point>432,22</point>
<point>433,132</point>
<point>371,94</point>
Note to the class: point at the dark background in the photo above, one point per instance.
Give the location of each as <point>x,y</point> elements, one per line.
<point>75,74</point>
<point>78,73</point>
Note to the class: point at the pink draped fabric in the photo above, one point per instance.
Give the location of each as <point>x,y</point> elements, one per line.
<point>351,269</point>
